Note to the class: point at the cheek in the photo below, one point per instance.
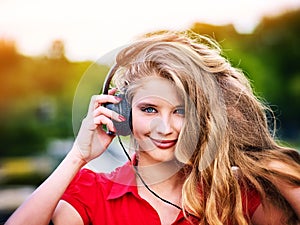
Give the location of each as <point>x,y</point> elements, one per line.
<point>140,124</point>
<point>178,123</point>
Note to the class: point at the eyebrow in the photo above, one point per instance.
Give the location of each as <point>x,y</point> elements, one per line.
<point>147,104</point>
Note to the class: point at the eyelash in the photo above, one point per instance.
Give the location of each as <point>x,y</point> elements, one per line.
<point>153,110</point>
<point>146,109</point>
<point>180,111</point>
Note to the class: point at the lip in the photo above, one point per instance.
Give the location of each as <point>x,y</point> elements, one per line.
<point>163,144</point>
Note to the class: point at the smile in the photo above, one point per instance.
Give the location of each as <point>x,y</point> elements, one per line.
<point>163,144</point>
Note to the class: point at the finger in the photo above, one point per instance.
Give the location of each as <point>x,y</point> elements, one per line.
<point>88,124</point>
<point>112,91</point>
<point>103,120</point>
<point>101,110</point>
<point>98,100</point>
<point>101,99</point>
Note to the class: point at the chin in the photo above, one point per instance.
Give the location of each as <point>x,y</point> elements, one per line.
<point>162,155</point>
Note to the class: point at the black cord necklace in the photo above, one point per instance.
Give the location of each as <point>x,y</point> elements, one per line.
<point>142,180</point>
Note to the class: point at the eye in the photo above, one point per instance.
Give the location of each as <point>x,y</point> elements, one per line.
<point>180,111</point>
<point>149,110</point>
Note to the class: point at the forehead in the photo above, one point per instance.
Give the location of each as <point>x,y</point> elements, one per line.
<point>159,88</point>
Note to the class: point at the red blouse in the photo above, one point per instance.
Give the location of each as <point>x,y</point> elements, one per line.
<point>113,198</point>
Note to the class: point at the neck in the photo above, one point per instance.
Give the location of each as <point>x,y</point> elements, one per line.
<point>160,189</point>
<point>160,174</point>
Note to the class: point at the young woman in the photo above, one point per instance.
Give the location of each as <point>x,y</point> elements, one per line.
<point>203,149</point>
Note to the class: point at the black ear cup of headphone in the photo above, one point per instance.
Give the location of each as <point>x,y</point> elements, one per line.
<point>123,108</point>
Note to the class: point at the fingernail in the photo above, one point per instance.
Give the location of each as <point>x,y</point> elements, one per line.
<point>110,133</point>
<point>122,118</point>
<point>118,98</point>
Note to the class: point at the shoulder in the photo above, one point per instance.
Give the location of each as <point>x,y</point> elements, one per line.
<point>250,196</point>
<point>78,200</point>
<point>271,214</point>
<point>250,200</point>
<point>88,191</point>
<point>87,178</point>
<point>89,181</point>
<point>85,185</point>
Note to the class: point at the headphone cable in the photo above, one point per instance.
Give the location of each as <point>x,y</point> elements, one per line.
<point>144,183</point>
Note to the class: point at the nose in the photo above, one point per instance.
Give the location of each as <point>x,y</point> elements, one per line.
<point>162,125</point>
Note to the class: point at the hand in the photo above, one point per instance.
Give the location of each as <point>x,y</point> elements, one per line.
<point>92,140</point>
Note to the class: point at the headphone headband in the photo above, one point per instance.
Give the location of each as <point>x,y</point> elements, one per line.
<point>108,78</point>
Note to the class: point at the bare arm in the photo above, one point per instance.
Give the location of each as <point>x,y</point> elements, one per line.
<point>90,143</point>
<point>289,192</point>
<point>271,214</point>
<point>39,207</point>
<point>65,214</point>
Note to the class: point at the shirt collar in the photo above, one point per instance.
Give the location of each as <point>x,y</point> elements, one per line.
<point>123,180</point>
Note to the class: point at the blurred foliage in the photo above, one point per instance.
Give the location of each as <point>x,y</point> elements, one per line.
<point>36,98</point>
<point>37,93</point>
<point>270,58</point>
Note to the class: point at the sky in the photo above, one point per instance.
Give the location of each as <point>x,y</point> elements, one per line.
<point>92,28</point>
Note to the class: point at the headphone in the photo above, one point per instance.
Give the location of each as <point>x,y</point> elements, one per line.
<point>123,107</point>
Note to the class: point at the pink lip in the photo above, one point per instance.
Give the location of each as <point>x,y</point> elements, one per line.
<point>163,144</point>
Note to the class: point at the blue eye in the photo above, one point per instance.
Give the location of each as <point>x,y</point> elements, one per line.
<point>149,110</point>
<point>180,111</point>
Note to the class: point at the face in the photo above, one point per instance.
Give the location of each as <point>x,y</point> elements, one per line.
<point>157,119</point>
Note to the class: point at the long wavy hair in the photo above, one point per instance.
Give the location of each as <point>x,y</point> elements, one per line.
<point>225,127</point>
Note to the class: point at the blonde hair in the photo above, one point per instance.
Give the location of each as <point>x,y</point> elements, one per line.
<point>225,126</point>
